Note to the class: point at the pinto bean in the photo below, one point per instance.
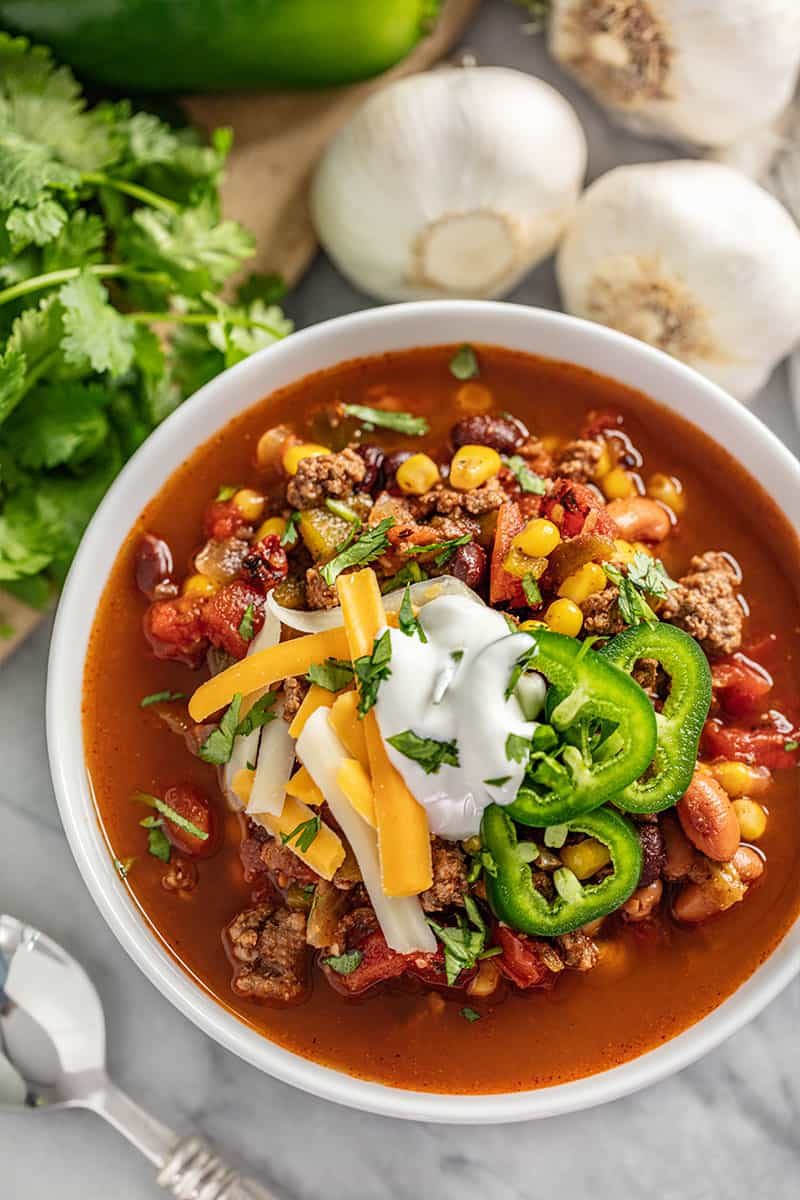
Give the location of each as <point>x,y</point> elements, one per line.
<point>641,904</point>
<point>708,818</point>
<point>640,519</point>
<point>725,884</point>
<point>748,863</point>
<point>679,853</point>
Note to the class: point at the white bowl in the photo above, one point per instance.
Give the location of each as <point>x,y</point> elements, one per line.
<point>373,332</point>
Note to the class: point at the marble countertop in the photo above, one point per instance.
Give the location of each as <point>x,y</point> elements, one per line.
<point>726,1126</point>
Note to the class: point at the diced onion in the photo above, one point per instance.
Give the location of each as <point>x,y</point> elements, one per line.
<point>319,620</point>
<point>274,767</point>
<point>401,918</point>
<point>245,749</point>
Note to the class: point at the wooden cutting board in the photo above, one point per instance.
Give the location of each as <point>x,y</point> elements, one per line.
<point>278,138</point>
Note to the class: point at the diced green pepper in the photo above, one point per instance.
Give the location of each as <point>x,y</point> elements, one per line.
<point>322,532</point>
<point>516,900</point>
<point>681,720</point>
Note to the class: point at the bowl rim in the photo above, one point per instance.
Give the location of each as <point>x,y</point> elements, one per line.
<point>373,331</point>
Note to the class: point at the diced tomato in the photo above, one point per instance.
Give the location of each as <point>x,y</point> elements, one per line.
<point>598,420</point>
<point>521,960</point>
<point>193,806</point>
<point>223,520</point>
<point>740,684</point>
<point>266,564</point>
<point>223,614</point>
<point>505,587</point>
<point>762,746</point>
<point>380,963</point>
<point>175,629</point>
<point>575,509</point>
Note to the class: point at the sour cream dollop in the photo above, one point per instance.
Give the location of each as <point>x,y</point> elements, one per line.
<point>451,688</point>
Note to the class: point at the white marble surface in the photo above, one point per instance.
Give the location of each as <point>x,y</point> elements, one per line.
<point>727,1126</point>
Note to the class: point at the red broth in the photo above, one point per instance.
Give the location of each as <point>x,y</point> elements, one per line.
<point>660,977</point>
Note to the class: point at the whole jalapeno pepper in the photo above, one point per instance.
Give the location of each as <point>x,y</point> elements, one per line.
<point>681,720</point>
<point>601,736</point>
<point>515,899</point>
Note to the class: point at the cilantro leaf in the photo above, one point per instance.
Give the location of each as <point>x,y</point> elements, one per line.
<point>38,224</point>
<point>462,943</point>
<point>650,575</point>
<point>464,363</point>
<point>791,745</point>
<point>400,422</point>
<point>443,550</point>
<point>258,715</point>
<point>498,782</point>
<point>160,698</point>
<point>158,844</point>
<point>518,748</point>
<point>28,168</point>
<point>469,1014</point>
<point>12,381</point>
<point>303,835</point>
<point>371,670</point>
<point>226,492</point>
<point>527,479</point>
<point>166,810</point>
<point>369,546</point>
<point>194,248</point>
<point>289,535</point>
<point>410,572</point>
<point>409,625</point>
<point>333,675</point>
<point>428,752</point>
<point>94,330</point>
<point>60,423</point>
<point>247,625</point>
<point>78,243</point>
<point>218,746</point>
<point>346,963</point>
<point>633,607</point>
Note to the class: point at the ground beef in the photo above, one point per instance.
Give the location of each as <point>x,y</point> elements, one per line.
<point>325,476</point>
<point>577,950</point>
<point>449,877</point>
<point>543,882</point>
<point>268,948</point>
<point>354,928</point>
<point>704,604</point>
<point>180,875</point>
<point>319,594</point>
<point>601,613</point>
<point>294,693</point>
<point>446,502</point>
<point>653,852</point>
<point>645,672</point>
<point>284,863</point>
<point>578,460</point>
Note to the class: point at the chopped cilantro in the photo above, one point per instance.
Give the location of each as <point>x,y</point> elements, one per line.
<point>443,550</point>
<point>226,492</point>
<point>251,766</point>
<point>218,746</point>
<point>410,572</point>
<point>518,748</point>
<point>501,779</point>
<point>633,608</point>
<point>258,715</point>
<point>469,1014</point>
<point>346,963</point>
<point>650,575</point>
<point>791,745</point>
<point>371,670</point>
<point>303,835</point>
<point>409,625</point>
<point>370,545</point>
<point>333,674</point>
<point>464,363</point>
<point>246,625</point>
<point>170,813</point>
<point>158,844</point>
<point>160,698</point>
<point>123,866</point>
<point>527,479</point>
<point>400,422</point>
<point>289,535</point>
<point>531,589</point>
<point>464,942</point>
<point>430,754</point>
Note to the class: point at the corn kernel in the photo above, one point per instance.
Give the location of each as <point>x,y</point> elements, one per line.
<point>604,463</point>
<point>623,551</point>
<point>249,503</point>
<point>739,779</point>
<point>564,617</point>
<point>473,465</point>
<point>538,539</point>
<point>585,858</point>
<point>583,583</point>
<point>294,455</point>
<point>473,398</point>
<point>669,490</point>
<point>272,527</point>
<point>199,585</point>
<point>618,484</point>
<point>417,475</point>
<point>751,817</point>
<point>529,626</point>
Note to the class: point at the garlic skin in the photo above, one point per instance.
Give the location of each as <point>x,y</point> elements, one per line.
<point>693,258</point>
<point>705,72</point>
<point>455,182</point>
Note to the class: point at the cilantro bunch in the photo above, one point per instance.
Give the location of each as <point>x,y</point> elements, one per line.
<point>112,255</point>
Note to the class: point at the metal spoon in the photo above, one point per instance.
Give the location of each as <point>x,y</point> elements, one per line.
<point>52,1053</point>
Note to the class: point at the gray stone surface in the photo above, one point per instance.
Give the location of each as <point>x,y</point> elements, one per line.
<point>728,1126</point>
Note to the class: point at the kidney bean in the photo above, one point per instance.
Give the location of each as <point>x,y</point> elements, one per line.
<point>373,458</point>
<point>679,853</point>
<point>469,565</point>
<point>748,863</point>
<point>153,566</point>
<point>653,853</point>
<point>640,905</point>
<point>504,434</point>
<point>708,818</point>
<point>389,468</point>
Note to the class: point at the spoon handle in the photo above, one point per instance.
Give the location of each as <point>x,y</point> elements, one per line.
<point>194,1172</point>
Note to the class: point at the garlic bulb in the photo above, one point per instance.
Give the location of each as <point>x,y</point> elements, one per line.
<point>451,183</point>
<point>693,258</point>
<point>703,71</point>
